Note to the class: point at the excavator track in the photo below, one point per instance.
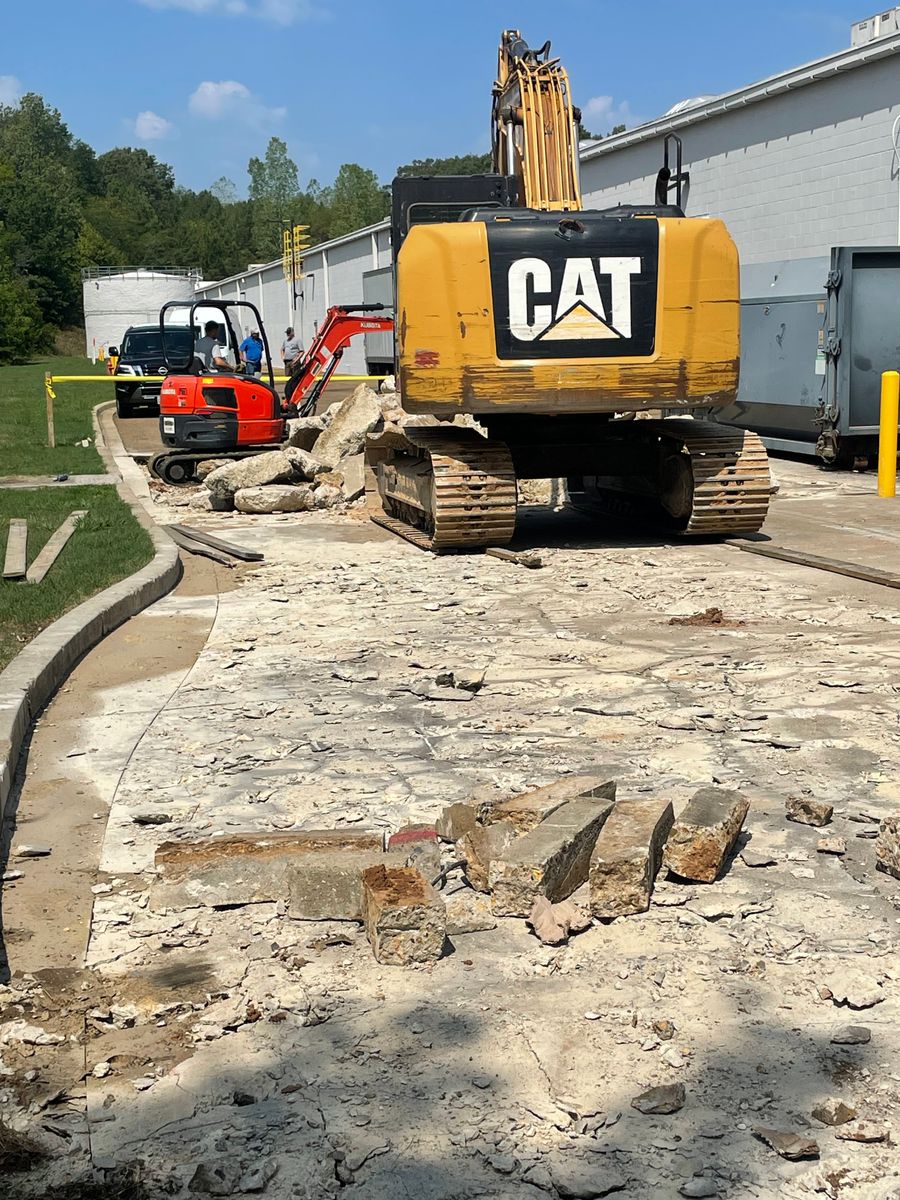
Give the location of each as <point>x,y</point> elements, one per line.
<point>732,485</point>
<point>447,488</point>
<point>714,481</point>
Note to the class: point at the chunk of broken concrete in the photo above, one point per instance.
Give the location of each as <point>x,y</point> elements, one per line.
<point>862,1131</point>
<point>275,498</point>
<point>358,415</point>
<point>834,1112</point>
<point>273,466</point>
<point>789,1145</point>
<point>585,1179</point>
<point>455,821</point>
<point>405,918</point>
<point>551,860</point>
<point>306,465</point>
<point>852,988</point>
<point>468,911</point>
<point>480,846</point>
<point>317,871</point>
<point>851,1035</point>
<point>530,808</point>
<point>627,857</point>
<point>660,1101</point>
<point>804,811</point>
<point>831,845</point>
<point>703,836</point>
<point>887,846</point>
<point>553,923</point>
<point>303,431</point>
<point>215,1179</point>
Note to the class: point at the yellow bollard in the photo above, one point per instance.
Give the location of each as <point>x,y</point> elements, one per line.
<point>887,437</point>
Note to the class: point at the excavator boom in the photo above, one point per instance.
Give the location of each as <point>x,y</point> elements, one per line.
<point>534,126</point>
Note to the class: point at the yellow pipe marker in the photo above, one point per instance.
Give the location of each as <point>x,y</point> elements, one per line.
<point>887,437</point>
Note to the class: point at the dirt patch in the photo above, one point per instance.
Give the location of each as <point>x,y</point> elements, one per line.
<point>709,616</point>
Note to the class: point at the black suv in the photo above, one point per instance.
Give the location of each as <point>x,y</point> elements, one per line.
<point>142,362</point>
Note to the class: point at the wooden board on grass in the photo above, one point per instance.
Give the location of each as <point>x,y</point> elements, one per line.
<point>16,561</point>
<point>52,550</point>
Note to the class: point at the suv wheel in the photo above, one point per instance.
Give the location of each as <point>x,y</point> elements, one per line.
<point>124,408</point>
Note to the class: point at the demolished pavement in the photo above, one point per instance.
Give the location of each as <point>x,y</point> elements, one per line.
<point>241,1050</point>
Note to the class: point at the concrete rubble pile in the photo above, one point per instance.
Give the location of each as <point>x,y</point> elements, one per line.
<point>322,465</point>
<point>559,856</point>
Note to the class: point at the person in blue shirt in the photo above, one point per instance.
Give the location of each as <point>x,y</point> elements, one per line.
<point>251,353</point>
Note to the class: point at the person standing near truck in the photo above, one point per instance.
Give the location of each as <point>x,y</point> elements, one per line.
<point>251,349</point>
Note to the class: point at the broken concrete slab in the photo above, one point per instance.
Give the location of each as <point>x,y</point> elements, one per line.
<point>273,466</point>
<point>318,871</point>
<point>303,431</point>
<point>306,465</point>
<point>704,834</point>
<point>405,918</point>
<point>275,498</point>
<point>663,1100</point>
<point>353,472</point>
<point>627,857</point>
<point>480,847</point>
<point>551,860</point>
<point>468,911</point>
<point>887,846</point>
<point>834,1112</point>
<point>455,821</point>
<point>358,415</point>
<point>527,810</point>
<point>791,1146</point>
<point>808,812</point>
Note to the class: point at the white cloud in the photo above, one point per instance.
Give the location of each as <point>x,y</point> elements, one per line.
<point>601,114</point>
<point>232,100</point>
<point>10,89</point>
<point>277,12</point>
<point>150,126</point>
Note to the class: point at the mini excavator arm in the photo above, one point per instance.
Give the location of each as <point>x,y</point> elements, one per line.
<point>316,367</point>
<point>534,126</point>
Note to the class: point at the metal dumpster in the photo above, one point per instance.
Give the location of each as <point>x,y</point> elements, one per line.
<point>816,334</point>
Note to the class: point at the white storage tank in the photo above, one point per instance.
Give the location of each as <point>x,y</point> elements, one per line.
<point>117,297</point>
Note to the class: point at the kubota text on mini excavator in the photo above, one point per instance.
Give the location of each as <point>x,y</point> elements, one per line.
<point>206,414</point>
<point>555,327</point>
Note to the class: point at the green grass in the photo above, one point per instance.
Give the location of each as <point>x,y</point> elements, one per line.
<point>23,418</point>
<point>107,545</point>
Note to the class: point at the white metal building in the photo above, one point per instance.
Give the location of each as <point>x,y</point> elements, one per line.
<point>795,164</point>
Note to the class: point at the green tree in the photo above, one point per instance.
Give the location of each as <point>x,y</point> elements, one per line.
<point>224,190</point>
<point>274,191</point>
<point>41,196</point>
<point>357,199</point>
<point>460,164</point>
<point>22,328</point>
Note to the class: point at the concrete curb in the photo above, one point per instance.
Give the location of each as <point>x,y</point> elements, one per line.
<point>34,675</point>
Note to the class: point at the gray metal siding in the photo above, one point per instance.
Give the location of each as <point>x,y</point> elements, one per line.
<point>792,175</point>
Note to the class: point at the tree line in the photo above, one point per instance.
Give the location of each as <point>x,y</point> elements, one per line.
<point>64,208</point>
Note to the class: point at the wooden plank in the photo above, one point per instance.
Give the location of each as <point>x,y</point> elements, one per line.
<point>16,561</point>
<point>816,562</point>
<point>231,548</point>
<point>192,547</point>
<point>52,550</point>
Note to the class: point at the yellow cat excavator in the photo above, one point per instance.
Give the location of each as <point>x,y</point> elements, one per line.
<point>555,327</point>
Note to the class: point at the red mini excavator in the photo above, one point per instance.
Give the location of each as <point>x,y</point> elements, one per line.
<point>206,413</point>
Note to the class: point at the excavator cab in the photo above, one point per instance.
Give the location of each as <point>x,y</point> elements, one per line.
<point>206,410</point>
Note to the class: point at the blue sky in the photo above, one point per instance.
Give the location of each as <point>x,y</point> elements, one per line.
<point>203,84</point>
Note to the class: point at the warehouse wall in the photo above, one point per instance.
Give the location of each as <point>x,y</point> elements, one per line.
<point>792,175</point>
